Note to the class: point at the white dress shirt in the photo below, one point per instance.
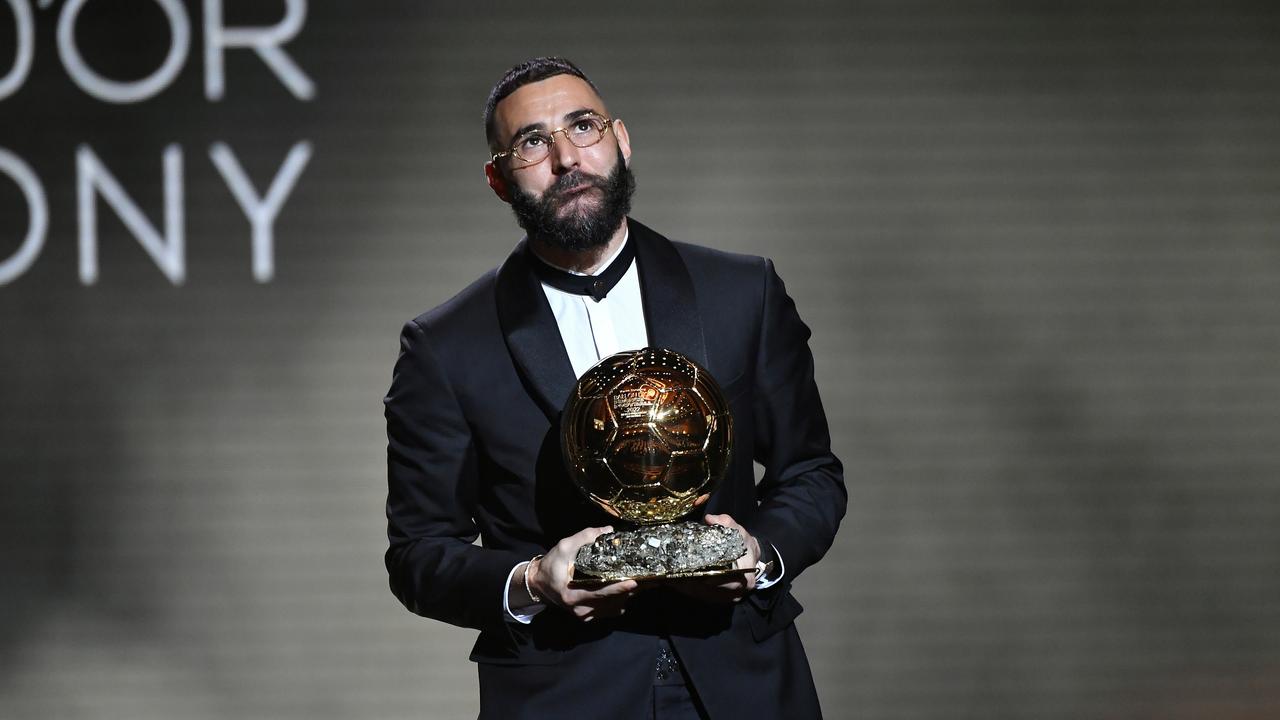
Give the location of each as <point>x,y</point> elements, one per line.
<point>591,329</point>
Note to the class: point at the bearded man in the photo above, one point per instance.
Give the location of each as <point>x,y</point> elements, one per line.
<point>473,425</point>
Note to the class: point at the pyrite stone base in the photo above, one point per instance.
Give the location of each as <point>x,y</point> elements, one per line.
<point>671,550</point>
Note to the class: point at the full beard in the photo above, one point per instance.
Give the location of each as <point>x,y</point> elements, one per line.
<point>582,228</point>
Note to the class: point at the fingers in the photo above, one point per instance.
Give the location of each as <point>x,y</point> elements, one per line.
<point>566,550</point>
<point>552,573</point>
<point>586,536</point>
<point>726,520</point>
<point>753,546</point>
<point>622,587</point>
<point>718,589</point>
<point>617,592</point>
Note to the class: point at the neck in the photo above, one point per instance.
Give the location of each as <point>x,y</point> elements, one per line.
<point>581,261</point>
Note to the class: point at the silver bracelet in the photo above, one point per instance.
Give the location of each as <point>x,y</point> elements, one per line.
<point>529,591</point>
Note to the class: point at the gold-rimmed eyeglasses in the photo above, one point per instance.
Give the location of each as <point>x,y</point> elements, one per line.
<point>534,147</point>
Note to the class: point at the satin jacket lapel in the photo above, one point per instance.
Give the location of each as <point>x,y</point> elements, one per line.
<point>670,305</point>
<point>532,336</point>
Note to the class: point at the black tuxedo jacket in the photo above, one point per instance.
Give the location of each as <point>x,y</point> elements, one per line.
<point>473,451</point>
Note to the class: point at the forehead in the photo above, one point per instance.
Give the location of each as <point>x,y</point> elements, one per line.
<point>546,101</point>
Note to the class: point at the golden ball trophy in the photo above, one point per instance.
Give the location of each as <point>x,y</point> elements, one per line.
<point>646,435</point>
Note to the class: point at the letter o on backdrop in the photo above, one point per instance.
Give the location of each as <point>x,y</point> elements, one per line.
<point>124,92</point>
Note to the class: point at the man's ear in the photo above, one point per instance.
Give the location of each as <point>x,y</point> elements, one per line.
<point>624,140</point>
<point>497,182</point>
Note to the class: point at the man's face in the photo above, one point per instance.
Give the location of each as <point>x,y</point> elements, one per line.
<point>576,197</point>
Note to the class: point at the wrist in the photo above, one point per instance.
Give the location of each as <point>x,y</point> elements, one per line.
<point>530,579</point>
<point>765,558</point>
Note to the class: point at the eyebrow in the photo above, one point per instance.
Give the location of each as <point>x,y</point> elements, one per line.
<point>568,118</point>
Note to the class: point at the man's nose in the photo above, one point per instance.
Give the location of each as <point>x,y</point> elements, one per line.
<point>564,155</point>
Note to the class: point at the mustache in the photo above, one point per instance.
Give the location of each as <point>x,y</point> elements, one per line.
<point>574,179</point>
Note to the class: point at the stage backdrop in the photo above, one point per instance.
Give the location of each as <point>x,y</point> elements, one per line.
<point>1036,242</point>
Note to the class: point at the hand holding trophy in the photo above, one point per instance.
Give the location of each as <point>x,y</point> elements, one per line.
<point>646,435</point>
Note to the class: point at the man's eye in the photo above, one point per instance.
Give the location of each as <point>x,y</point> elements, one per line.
<point>533,142</point>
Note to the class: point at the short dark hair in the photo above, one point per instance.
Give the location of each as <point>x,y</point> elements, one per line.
<point>529,71</point>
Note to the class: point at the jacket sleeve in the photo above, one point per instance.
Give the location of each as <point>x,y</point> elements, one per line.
<point>435,568</point>
<point>802,494</point>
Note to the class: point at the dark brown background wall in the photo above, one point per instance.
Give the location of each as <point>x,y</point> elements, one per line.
<point>1037,244</point>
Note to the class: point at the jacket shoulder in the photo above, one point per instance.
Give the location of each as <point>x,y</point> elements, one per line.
<point>472,307</point>
<point>720,268</point>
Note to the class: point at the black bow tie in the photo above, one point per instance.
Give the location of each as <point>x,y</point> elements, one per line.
<point>597,286</point>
